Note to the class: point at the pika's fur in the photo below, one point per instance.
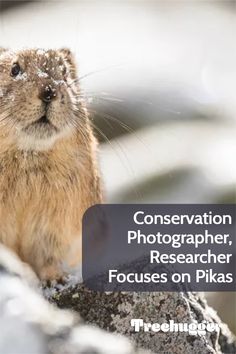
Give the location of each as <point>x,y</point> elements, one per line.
<point>48,169</point>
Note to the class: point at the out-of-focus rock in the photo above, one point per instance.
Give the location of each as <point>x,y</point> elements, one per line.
<point>168,163</point>
<point>225,303</point>
<point>29,324</point>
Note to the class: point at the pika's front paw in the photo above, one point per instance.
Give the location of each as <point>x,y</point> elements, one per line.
<point>50,273</point>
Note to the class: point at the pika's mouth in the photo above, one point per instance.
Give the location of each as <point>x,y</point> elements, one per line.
<point>41,127</point>
<point>43,120</point>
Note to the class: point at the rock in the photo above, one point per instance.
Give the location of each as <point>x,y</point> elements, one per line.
<point>29,324</point>
<point>114,311</point>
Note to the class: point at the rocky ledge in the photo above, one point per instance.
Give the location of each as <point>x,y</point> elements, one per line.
<point>99,322</point>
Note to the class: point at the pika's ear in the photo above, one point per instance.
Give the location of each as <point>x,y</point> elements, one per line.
<point>70,59</point>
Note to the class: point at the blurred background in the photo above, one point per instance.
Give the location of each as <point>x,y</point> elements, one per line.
<point>159,78</point>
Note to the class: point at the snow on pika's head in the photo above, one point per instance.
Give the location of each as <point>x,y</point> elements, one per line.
<point>39,95</point>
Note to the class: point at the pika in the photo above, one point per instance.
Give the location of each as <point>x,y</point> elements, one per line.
<point>48,166</point>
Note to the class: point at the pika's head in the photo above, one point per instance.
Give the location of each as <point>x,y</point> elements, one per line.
<point>38,96</point>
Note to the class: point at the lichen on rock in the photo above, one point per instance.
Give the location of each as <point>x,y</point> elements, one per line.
<point>114,311</point>
<point>100,321</point>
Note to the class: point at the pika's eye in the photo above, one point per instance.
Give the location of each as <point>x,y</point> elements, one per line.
<point>15,70</point>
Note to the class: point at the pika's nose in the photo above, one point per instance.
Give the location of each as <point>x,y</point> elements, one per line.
<point>48,94</point>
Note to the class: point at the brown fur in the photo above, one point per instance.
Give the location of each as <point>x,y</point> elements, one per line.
<point>45,185</point>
